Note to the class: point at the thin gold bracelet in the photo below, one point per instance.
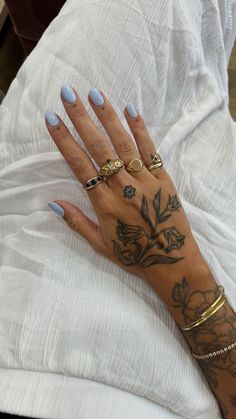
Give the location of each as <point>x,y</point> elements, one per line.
<point>215,306</point>
<point>216,353</point>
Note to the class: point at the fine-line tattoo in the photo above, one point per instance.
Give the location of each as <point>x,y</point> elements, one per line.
<point>139,254</point>
<point>217,332</point>
<point>129,191</point>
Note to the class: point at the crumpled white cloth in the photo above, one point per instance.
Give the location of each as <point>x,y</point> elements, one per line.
<point>79,337</point>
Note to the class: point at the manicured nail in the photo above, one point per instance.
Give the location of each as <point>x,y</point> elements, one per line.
<point>96,97</point>
<point>68,93</point>
<point>132,111</point>
<point>56,208</point>
<point>51,118</point>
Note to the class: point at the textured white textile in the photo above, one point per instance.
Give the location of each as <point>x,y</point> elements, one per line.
<point>79,337</point>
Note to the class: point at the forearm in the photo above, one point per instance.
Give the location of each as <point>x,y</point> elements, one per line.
<point>185,298</point>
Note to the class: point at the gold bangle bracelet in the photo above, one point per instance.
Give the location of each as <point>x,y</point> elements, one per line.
<point>215,306</point>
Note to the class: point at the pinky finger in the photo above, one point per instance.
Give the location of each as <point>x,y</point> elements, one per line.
<point>80,223</point>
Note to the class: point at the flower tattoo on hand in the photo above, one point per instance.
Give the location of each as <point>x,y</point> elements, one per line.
<point>129,191</point>
<point>131,234</point>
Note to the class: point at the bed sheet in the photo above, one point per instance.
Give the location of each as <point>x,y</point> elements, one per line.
<point>66,313</point>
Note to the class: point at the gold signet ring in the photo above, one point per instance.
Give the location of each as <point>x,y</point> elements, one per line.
<point>134,165</point>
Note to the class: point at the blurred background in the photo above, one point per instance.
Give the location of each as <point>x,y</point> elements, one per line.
<point>22,23</point>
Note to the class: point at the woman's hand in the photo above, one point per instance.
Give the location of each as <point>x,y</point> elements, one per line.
<point>142,224</point>
<point>143,228</point>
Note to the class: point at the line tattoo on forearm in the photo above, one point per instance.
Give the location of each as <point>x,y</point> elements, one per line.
<point>157,243</point>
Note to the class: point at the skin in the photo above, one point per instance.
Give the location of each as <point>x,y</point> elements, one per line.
<point>143,228</point>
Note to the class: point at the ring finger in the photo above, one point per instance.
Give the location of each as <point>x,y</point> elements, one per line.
<point>143,140</point>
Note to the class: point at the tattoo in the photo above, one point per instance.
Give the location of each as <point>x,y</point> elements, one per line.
<point>233,400</point>
<point>166,239</point>
<point>129,191</point>
<point>215,333</point>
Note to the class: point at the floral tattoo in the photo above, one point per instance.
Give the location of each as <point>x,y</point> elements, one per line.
<point>129,191</point>
<point>155,251</point>
<point>215,333</point>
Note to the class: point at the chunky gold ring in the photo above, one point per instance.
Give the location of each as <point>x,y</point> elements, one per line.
<point>111,167</point>
<point>156,162</point>
<point>91,183</point>
<point>134,165</point>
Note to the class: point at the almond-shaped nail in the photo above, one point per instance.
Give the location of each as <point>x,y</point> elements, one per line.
<point>96,97</point>
<point>56,208</point>
<point>68,93</point>
<point>52,119</point>
<point>132,111</point>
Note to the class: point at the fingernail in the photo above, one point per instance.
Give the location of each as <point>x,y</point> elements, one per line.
<point>51,118</point>
<point>96,97</point>
<point>132,111</point>
<point>56,208</point>
<point>68,93</point>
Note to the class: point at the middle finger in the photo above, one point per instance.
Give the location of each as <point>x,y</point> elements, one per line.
<point>96,144</point>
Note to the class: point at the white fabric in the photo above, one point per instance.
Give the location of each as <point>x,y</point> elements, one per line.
<point>79,337</point>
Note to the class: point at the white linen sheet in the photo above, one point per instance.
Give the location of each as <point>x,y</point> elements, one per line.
<point>79,337</point>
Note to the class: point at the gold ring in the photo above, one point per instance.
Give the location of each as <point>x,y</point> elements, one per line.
<point>91,183</point>
<point>134,165</point>
<point>156,162</point>
<point>111,167</point>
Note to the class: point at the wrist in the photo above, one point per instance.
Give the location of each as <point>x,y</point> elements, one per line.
<point>192,266</point>
<point>197,273</point>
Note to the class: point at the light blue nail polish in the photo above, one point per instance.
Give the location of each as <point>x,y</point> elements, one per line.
<point>51,118</point>
<point>68,93</point>
<point>56,208</point>
<point>96,97</point>
<point>132,111</point>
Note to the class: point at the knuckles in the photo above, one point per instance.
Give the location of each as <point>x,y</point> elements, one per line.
<point>79,113</point>
<point>139,131</point>
<point>108,116</point>
<point>74,223</point>
<point>125,147</point>
<point>98,148</point>
<point>77,163</point>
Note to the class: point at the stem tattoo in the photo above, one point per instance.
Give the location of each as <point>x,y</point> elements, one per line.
<point>158,242</point>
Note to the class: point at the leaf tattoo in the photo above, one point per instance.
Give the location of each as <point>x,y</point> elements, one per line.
<point>145,213</point>
<point>132,234</point>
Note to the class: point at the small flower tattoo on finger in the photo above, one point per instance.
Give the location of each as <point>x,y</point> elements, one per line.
<point>129,191</point>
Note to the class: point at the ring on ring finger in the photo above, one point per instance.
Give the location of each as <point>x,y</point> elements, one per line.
<point>135,165</point>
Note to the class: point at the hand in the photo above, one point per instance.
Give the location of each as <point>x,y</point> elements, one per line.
<point>142,224</point>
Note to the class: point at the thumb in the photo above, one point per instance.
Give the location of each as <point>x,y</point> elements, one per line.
<point>80,223</point>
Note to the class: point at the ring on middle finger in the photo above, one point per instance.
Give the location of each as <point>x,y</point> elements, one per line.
<point>111,167</point>
<point>134,165</point>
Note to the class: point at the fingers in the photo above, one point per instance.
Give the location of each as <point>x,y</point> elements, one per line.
<point>121,140</point>
<point>78,160</point>
<point>81,224</point>
<point>97,145</point>
<point>141,136</point>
